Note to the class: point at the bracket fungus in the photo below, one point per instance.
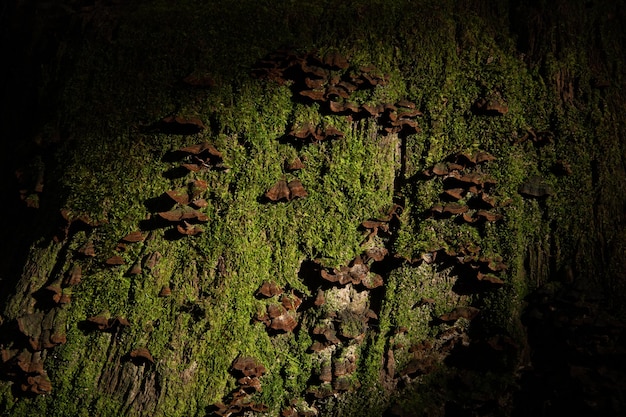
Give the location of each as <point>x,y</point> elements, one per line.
<point>287,191</point>
<point>269,289</point>
<point>201,156</point>
<point>248,372</point>
<point>133,237</point>
<point>183,213</point>
<point>141,356</point>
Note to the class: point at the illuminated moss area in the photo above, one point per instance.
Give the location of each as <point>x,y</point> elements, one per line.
<point>125,74</point>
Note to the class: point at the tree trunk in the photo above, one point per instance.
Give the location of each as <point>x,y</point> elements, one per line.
<point>411,209</point>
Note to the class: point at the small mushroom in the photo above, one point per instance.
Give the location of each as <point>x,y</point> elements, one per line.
<point>115,260</point>
<point>295,165</point>
<point>269,289</point>
<point>248,366</point>
<point>133,237</point>
<point>188,229</point>
<point>279,191</point>
<point>296,189</point>
<point>141,355</point>
<point>183,213</point>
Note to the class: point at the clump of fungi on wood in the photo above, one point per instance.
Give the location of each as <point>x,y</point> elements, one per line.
<point>286,191</point>
<point>463,183</point>
<point>330,82</point>
<point>281,315</point>
<point>248,372</point>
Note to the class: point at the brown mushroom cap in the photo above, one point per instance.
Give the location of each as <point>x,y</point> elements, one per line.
<point>296,190</point>
<point>269,289</point>
<point>142,355</point>
<point>133,237</point>
<point>279,191</point>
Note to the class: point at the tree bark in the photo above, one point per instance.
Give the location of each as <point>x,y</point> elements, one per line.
<point>451,242</point>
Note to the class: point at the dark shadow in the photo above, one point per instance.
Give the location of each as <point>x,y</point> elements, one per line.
<point>176,172</point>
<point>158,204</point>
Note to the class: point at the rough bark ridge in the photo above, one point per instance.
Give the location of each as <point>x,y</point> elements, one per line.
<point>412,209</point>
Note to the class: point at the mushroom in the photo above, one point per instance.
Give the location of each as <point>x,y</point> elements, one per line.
<point>295,165</point>
<point>286,191</point>
<point>133,237</point>
<point>115,260</point>
<point>269,289</point>
<point>141,355</point>
<point>183,213</point>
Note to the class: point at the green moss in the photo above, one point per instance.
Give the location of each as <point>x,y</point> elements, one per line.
<point>442,56</point>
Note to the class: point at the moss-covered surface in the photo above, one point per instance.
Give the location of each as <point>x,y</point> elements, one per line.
<point>120,69</point>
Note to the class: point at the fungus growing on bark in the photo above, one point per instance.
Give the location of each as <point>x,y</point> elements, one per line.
<point>454,208</point>
<point>115,260</point>
<point>335,61</point>
<point>492,105</point>
<point>151,259</point>
<point>188,229</point>
<point>488,216</point>
<point>295,165</point>
<point>133,237</point>
<point>269,289</point>
<point>286,191</point>
<point>41,330</point>
<point>248,366</point>
<point>57,294</point>
<point>285,322</point>
<point>454,193</point>
<point>135,269</point>
<point>141,356</point>
<point>37,384</point>
<point>278,318</point>
<point>489,278</point>
<point>202,155</point>
<point>183,213</point>
<point>248,371</point>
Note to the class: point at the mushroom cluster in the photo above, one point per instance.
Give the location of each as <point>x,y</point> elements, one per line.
<point>308,133</point>
<point>29,336</point>
<point>286,191</point>
<point>472,267</point>
<point>466,192</point>
<point>280,315</point>
<point>248,372</point>
<point>26,370</point>
<point>357,272</point>
<point>201,156</point>
<point>330,81</point>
